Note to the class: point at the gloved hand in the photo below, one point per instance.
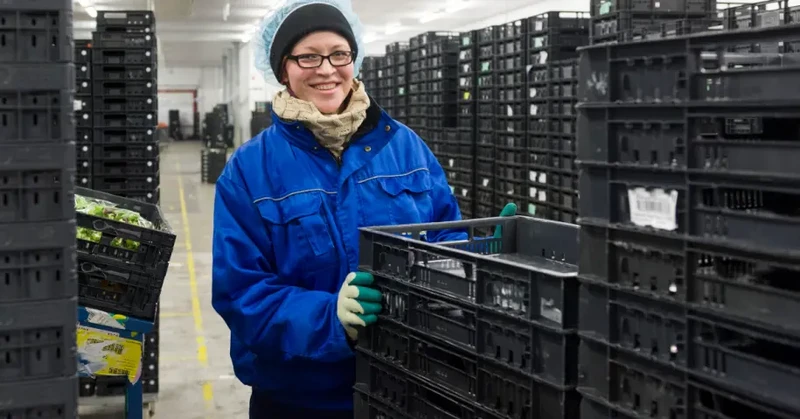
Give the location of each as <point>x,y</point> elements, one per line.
<point>509,210</point>
<point>358,303</point>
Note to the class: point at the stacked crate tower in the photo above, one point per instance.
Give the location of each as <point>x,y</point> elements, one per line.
<point>395,102</point>
<point>626,20</point>
<point>369,75</point>
<point>122,148</point>
<point>38,293</point>
<point>510,122</point>
<point>690,245</point>
<point>217,139</point>
<point>84,117</point>
<point>462,177</point>
<point>552,87</point>
<point>125,106</point>
<point>484,97</point>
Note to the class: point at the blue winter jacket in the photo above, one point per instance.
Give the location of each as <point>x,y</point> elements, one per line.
<point>286,221</point>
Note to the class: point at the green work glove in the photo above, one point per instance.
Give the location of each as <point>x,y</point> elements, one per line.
<point>509,210</point>
<point>358,303</point>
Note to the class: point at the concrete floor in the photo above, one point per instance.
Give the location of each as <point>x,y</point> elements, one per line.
<point>196,376</point>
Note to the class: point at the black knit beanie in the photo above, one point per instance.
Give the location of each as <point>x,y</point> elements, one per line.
<point>304,21</point>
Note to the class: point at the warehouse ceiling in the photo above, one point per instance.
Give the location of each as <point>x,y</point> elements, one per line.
<point>196,33</point>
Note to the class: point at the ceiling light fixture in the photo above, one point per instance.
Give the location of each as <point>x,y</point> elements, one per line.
<point>91,11</point>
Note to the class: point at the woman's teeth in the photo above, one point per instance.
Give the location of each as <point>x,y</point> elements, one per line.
<point>330,86</point>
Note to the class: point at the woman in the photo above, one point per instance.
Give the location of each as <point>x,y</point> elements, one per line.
<point>288,208</point>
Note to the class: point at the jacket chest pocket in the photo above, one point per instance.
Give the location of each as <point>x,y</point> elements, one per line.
<point>396,199</point>
<point>301,236</point>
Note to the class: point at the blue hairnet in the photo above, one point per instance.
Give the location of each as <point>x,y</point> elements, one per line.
<point>273,20</point>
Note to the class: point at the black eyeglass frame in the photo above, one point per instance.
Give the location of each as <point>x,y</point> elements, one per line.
<point>296,58</point>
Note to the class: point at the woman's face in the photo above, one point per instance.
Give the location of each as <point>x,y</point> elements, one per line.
<point>325,86</point>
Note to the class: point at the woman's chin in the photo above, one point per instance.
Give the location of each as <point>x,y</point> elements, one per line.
<point>328,105</point>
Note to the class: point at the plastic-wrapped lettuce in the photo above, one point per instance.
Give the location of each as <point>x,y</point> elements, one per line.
<point>108,210</point>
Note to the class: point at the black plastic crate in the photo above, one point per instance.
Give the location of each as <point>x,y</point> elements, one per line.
<point>125,88</point>
<point>728,145</point>
<point>55,398</point>
<point>111,56</point>
<point>36,115</point>
<point>126,152</point>
<point>123,39</point>
<point>126,104</point>
<point>119,184</point>
<point>405,395</point>
<point>38,340</point>
<point>126,167</point>
<point>45,273</point>
<point>36,32</point>
<point>127,136</point>
<point>126,18</point>
<point>536,286</point>
<point>154,249</point>
<point>149,196</point>
<point>212,163</point>
<point>83,51</point>
<point>725,88</point>
<point>36,195</point>
<point>125,120</point>
<point>674,7</point>
<point>420,331</point>
<point>83,71</point>
<point>124,72</point>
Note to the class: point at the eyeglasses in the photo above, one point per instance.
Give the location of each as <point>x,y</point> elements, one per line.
<point>337,59</point>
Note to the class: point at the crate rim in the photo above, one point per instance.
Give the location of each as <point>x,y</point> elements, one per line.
<point>91,193</point>
<point>387,232</point>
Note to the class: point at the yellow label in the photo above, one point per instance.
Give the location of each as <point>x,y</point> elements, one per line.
<point>117,355</point>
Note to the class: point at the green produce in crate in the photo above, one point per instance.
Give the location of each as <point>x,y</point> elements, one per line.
<point>108,210</point>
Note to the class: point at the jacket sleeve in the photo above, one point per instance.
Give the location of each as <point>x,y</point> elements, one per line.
<point>267,313</point>
<point>445,204</point>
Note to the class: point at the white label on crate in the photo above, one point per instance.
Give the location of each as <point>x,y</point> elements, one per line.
<point>532,92</point>
<point>485,183</point>
<point>543,178</point>
<point>657,4</point>
<point>77,105</point>
<point>531,209</point>
<point>539,25</point>
<point>380,73</point>
<point>102,318</point>
<point>534,110</point>
<point>542,196</point>
<point>656,208</point>
<point>451,162</point>
<point>532,192</point>
<point>439,74</point>
<point>464,192</point>
<point>532,175</point>
<point>543,57</point>
<point>509,110</point>
<point>550,311</point>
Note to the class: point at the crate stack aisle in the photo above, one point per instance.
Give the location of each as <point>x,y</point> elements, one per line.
<point>510,124</point>
<point>84,117</point>
<point>688,217</point>
<point>462,177</point>
<point>469,342</point>
<point>369,74</point>
<point>552,88</point>
<point>125,149</point>
<point>38,293</point>
<point>397,72</point>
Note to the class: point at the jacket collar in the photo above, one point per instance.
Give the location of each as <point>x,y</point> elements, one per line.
<point>297,134</point>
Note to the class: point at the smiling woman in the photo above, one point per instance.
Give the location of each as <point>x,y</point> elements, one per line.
<point>288,208</point>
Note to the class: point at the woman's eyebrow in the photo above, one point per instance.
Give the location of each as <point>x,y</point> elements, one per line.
<point>315,50</point>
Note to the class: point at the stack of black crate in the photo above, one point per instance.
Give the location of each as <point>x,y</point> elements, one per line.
<point>395,100</point>
<point>552,87</point>
<point>485,97</point>
<point>625,20</point>
<point>438,71</point>
<point>462,177</point>
<point>125,106</point>
<point>416,111</point>
<point>687,151</point>
<point>84,117</point>
<point>124,148</point>
<point>510,112</point>
<point>369,74</point>
<point>38,293</point>
<point>218,139</point>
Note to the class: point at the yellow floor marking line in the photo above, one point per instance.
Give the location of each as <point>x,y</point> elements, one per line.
<point>202,349</point>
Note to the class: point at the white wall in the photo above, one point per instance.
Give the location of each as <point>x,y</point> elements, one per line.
<point>207,81</point>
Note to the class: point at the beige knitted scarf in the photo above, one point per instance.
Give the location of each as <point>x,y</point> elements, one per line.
<point>332,131</point>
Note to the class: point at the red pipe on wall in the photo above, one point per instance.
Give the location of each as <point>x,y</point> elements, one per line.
<point>192,91</point>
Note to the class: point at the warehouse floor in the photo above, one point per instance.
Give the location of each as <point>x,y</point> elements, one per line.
<point>196,377</point>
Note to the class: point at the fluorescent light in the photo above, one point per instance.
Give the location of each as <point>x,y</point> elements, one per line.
<point>91,11</point>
